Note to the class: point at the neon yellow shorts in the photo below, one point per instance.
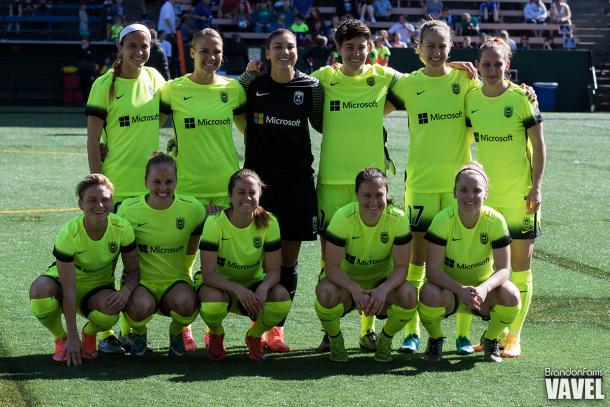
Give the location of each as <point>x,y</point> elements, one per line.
<point>521,225</point>
<point>331,198</point>
<point>422,207</point>
<point>160,289</point>
<point>83,293</point>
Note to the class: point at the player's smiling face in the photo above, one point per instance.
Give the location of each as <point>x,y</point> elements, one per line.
<point>96,203</point>
<point>470,191</point>
<point>245,195</point>
<point>207,54</point>
<point>282,51</point>
<point>135,50</point>
<point>372,198</point>
<point>435,47</point>
<point>353,54</point>
<point>161,184</point>
<point>492,66</point>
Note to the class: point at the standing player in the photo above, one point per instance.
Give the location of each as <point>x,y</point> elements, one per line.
<point>81,280</point>
<point>367,254</point>
<point>123,111</point>
<point>167,228</point>
<point>473,237</point>
<point>510,144</point>
<point>281,103</point>
<point>240,263</point>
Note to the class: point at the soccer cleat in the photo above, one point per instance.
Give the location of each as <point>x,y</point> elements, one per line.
<point>410,344</point>
<point>275,340</point>
<point>58,353</point>
<point>110,346</point>
<point>216,348</point>
<point>324,346</point>
<point>337,349</point>
<point>463,346</point>
<point>384,348</point>
<point>176,345</point>
<point>491,351</point>
<point>512,347</point>
<point>187,339</point>
<point>256,348</point>
<point>89,343</point>
<point>137,344</point>
<point>368,342</point>
<point>434,350</point>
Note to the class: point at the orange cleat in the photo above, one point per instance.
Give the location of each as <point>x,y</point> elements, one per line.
<point>89,346</point>
<point>189,342</point>
<point>256,348</point>
<point>512,347</point>
<point>275,340</point>
<point>58,353</point>
<point>216,349</point>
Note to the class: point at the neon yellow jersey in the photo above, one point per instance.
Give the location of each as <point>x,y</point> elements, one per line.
<point>468,252</point>
<point>368,249</point>
<point>353,121</point>
<point>240,251</point>
<point>93,259</point>
<point>163,236</point>
<point>202,117</point>
<point>500,132</point>
<point>131,126</point>
<point>438,144</point>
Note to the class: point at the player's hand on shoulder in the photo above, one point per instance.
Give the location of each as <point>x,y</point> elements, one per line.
<point>254,66</point>
<point>213,209</point>
<point>530,93</point>
<point>103,151</point>
<point>465,66</point>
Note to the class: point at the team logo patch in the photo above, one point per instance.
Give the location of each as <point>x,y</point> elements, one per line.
<point>455,88</point>
<point>180,223</point>
<point>370,81</point>
<point>299,96</point>
<point>508,111</point>
<point>527,225</point>
<point>113,247</point>
<point>257,241</point>
<point>385,237</point>
<point>224,97</point>
<point>484,238</point>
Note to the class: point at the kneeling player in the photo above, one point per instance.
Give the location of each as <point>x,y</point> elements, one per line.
<point>468,262</point>
<point>240,263</point>
<point>81,280</point>
<point>367,254</point>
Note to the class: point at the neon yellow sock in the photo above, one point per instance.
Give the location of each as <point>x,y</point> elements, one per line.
<point>213,313</point>
<point>463,320</point>
<point>501,317</point>
<point>330,318</point>
<point>273,314</point>
<point>366,323</point>
<point>137,327</point>
<point>398,317</point>
<point>431,318</point>
<point>180,321</point>
<point>124,325</point>
<point>523,281</point>
<point>98,321</point>
<point>48,312</point>
<point>415,277</point>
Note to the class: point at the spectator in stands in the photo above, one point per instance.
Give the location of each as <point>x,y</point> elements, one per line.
<point>488,11</point>
<point>186,27</point>
<point>113,9</point>
<point>167,48</point>
<point>451,20</point>
<point>241,16</point>
<point>83,21</point>
<point>236,55</point>
<point>167,19</point>
<point>386,37</point>
<point>404,28</point>
<point>14,10</point>
<point>334,23</point>
<point>280,22</point>
<point>548,42</point>
<point>511,43</point>
<point>535,12</point>
<point>157,58</point>
<point>346,8</point>
<point>365,7</point>
<point>525,42</point>
<point>317,56</point>
<point>397,42</point>
<point>226,7</point>
<point>28,8</point>
<point>202,15</point>
<point>561,13</point>
<point>314,15</point>
<point>432,8</point>
<point>116,28</point>
<point>300,29</point>
<point>144,7</point>
<point>467,42</point>
<point>318,29</point>
<point>302,6</point>
<point>288,12</point>
<point>383,9</point>
<point>383,52</point>
<point>469,25</point>
<point>86,67</point>
<point>262,18</point>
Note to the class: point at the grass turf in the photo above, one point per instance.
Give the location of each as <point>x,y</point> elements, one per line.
<point>42,156</point>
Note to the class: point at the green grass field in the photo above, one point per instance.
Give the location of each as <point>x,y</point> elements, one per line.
<point>42,156</point>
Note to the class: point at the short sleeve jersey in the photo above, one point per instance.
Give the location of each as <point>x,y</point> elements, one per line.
<point>500,132</point>
<point>368,249</point>
<point>438,144</point>
<point>131,126</point>
<point>278,145</point>
<point>468,252</point>
<point>163,235</point>
<point>240,251</point>
<point>202,117</point>
<point>93,259</point>
<point>353,122</point>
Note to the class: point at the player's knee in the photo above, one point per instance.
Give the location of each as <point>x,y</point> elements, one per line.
<point>210,294</point>
<point>140,307</point>
<point>278,293</point>
<point>43,287</point>
<point>431,295</point>
<point>406,295</point>
<point>327,293</point>
<point>508,294</point>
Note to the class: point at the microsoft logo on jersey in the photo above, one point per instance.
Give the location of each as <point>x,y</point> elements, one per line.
<point>260,118</point>
<point>144,248</point>
<point>337,105</point>
<point>126,121</point>
<point>189,122</point>
<point>424,118</point>
<point>484,137</point>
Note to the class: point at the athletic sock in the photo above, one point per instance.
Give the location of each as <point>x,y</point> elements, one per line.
<point>98,321</point>
<point>180,321</point>
<point>330,318</point>
<point>124,325</point>
<point>523,281</point>
<point>398,317</point>
<point>367,323</point>
<point>289,279</point>
<point>48,312</point>
<point>213,313</point>
<point>415,277</point>
<point>501,317</point>
<point>463,320</point>
<point>431,318</point>
<point>137,327</point>
<point>273,312</point>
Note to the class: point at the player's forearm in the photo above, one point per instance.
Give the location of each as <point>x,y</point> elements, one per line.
<point>94,133</point>
<point>538,155</point>
<point>441,279</point>
<point>67,280</point>
<point>213,279</point>
<point>496,280</point>
<point>396,278</point>
<point>336,275</point>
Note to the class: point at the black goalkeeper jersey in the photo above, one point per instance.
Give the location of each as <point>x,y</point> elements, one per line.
<point>278,146</point>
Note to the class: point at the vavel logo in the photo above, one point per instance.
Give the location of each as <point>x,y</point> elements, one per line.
<point>573,384</point>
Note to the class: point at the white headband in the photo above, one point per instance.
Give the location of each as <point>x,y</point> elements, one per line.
<point>131,28</point>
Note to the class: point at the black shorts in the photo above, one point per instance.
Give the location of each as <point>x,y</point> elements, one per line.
<point>295,205</point>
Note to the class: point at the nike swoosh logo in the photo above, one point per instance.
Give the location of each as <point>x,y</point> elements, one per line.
<point>118,97</point>
<point>187,97</point>
<point>226,238</point>
<point>81,252</point>
<point>141,224</point>
<point>356,237</point>
<point>419,93</point>
<point>333,84</point>
<point>455,240</point>
<point>474,111</point>
<point>262,94</point>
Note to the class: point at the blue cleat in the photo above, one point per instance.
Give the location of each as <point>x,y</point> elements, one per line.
<point>410,344</point>
<point>463,346</point>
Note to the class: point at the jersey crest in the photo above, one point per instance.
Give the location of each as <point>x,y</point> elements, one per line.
<point>385,237</point>
<point>508,111</point>
<point>180,223</point>
<point>224,96</point>
<point>455,88</point>
<point>484,238</point>
<point>371,81</point>
<point>299,96</point>
<point>257,241</point>
<point>113,247</point>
